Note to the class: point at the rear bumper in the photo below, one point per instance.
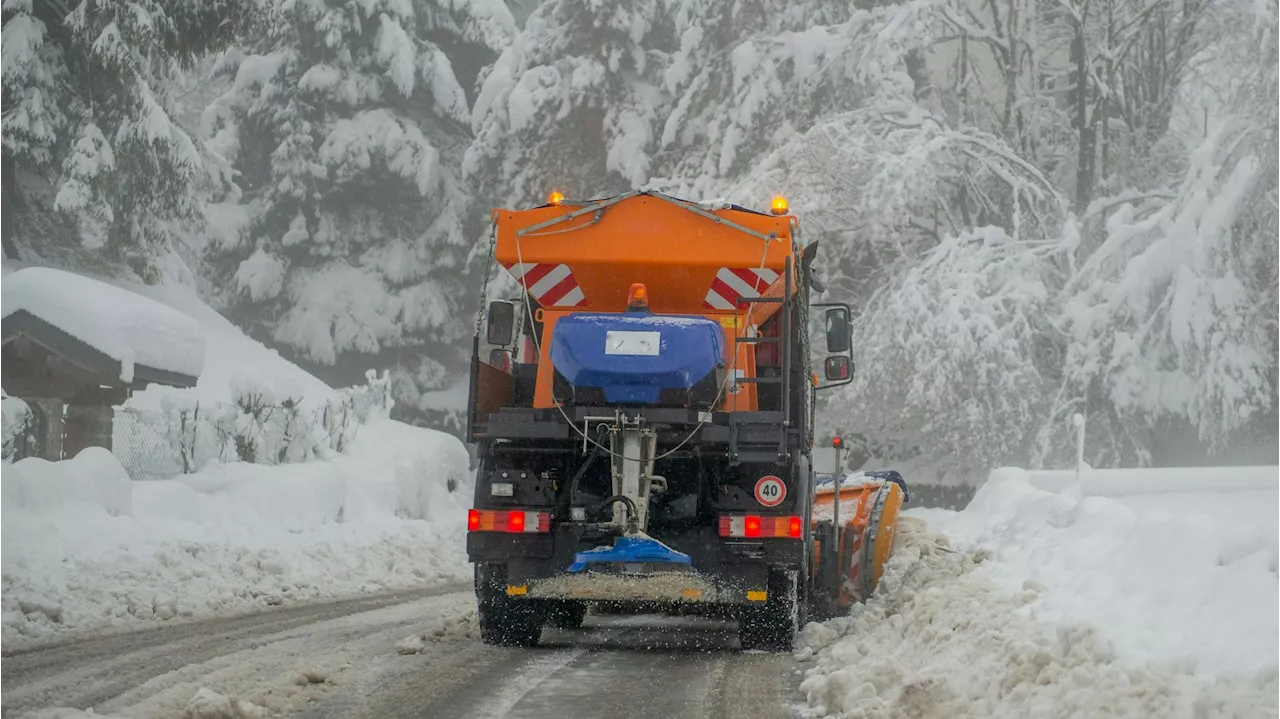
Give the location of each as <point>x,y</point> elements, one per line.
<point>724,571</point>
<point>666,588</point>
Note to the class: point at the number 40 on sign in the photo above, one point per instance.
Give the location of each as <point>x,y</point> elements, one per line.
<point>770,491</point>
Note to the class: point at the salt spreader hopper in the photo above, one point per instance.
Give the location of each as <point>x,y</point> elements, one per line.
<point>642,412</point>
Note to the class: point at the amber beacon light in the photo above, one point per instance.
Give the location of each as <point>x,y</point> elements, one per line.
<point>638,298</point>
<point>555,198</point>
<point>779,205</point>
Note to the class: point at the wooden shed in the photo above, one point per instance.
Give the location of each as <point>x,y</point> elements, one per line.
<point>70,382</point>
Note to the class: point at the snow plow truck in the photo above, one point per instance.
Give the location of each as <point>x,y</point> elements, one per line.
<point>643,413</point>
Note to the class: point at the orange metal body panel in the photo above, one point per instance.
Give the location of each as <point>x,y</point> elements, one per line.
<point>674,252</point>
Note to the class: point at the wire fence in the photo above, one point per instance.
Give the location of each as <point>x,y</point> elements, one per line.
<point>185,437</point>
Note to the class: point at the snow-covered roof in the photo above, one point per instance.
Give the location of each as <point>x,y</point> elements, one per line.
<point>140,334</point>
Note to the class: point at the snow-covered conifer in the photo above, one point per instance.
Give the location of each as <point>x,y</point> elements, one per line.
<point>573,102</point>
<point>87,98</point>
<point>344,123</point>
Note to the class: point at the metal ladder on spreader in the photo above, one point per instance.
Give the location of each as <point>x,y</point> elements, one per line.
<point>764,436</point>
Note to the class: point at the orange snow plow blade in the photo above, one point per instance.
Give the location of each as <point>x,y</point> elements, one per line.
<point>868,521</point>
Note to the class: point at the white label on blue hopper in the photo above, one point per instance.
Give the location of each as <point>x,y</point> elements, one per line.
<point>620,342</point>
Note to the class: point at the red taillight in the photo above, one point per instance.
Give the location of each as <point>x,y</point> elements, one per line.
<point>753,525</point>
<point>526,521</point>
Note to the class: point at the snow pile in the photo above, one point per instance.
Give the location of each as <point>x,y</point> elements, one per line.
<point>941,640</point>
<point>125,326</point>
<point>208,704</point>
<point>69,713</point>
<point>386,515</point>
<point>1157,481</point>
<point>1187,577</point>
<point>205,704</point>
<point>93,481</point>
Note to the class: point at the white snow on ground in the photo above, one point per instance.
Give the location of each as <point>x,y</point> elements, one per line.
<point>83,548</point>
<point>1178,565</point>
<point>1151,482</point>
<point>941,640</point>
<point>68,713</point>
<point>123,325</point>
<point>204,704</point>
<point>282,672</point>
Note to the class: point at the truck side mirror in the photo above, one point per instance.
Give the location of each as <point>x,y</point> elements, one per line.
<point>502,318</point>
<point>839,337</point>
<point>838,367</point>
<point>500,358</point>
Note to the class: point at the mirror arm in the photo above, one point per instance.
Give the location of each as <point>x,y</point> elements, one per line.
<point>816,283</point>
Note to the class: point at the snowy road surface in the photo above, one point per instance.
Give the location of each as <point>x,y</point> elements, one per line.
<point>1030,613</point>
<point>340,660</point>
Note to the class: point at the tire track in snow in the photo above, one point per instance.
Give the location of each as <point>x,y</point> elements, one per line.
<point>515,688</point>
<point>120,670</point>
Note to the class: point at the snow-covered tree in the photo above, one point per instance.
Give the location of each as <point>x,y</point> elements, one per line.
<point>34,82</point>
<point>745,78</point>
<point>573,102</point>
<point>957,357</point>
<point>1165,317</point>
<point>344,124</point>
<point>87,102</point>
<point>596,98</point>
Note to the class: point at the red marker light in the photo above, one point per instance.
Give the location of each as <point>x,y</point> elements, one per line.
<point>473,520</point>
<point>751,526</point>
<point>515,521</point>
<point>837,442</point>
<point>794,527</point>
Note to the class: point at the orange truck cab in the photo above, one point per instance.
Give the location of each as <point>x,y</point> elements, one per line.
<point>642,412</point>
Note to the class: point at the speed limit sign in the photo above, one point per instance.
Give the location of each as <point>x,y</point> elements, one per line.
<point>770,491</point>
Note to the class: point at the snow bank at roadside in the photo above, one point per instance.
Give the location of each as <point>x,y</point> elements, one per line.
<point>204,704</point>
<point>83,548</point>
<point>94,482</point>
<point>940,640</point>
<point>1164,572</point>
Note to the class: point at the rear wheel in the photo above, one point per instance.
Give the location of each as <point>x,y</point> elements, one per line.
<point>772,626</point>
<point>504,621</point>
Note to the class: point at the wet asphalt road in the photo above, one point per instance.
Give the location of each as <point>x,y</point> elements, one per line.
<point>645,666</point>
<point>614,666</point>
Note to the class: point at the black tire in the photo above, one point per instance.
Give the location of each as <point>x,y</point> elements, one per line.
<point>504,621</point>
<point>567,615</point>
<point>772,626</point>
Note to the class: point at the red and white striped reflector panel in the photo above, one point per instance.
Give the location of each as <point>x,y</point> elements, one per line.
<point>551,285</point>
<point>736,283</point>
<point>751,525</point>
<point>515,521</point>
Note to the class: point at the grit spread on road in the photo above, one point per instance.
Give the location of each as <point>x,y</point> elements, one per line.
<point>404,655</point>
